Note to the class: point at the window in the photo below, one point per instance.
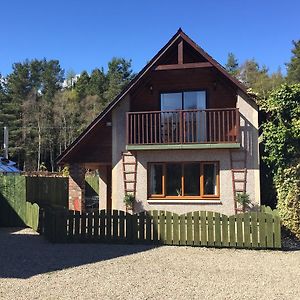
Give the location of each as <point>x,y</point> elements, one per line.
<point>183,100</point>
<point>188,180</point>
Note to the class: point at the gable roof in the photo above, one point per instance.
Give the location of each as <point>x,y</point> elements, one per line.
<point>179,34</point>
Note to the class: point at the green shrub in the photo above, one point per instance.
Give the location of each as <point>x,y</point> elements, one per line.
<point>287,183</point>
<point>129,200</point>
<point>243,199</point>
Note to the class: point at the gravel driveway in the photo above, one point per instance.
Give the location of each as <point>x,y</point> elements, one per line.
<point>32,268</point>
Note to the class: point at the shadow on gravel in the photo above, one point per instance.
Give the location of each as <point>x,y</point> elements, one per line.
<point>26,255</point>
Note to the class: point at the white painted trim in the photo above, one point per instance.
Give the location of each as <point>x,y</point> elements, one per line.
<point>158,201</point>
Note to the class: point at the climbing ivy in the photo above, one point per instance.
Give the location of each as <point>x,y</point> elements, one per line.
<point>281,138</point>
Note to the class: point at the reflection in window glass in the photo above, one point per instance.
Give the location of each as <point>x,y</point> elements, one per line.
<point>194,100</point>
<point>191,179</point>
<point>156,173</point>
<point>210,179</point>
<point>173,180</point>
<point>171,101</point>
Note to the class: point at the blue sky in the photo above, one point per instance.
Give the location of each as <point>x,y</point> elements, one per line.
<point>88,33</point>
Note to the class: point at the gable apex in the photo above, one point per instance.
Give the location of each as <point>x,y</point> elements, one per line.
<point>177,38</point>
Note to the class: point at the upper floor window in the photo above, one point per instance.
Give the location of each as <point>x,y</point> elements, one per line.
<point>183,100</point>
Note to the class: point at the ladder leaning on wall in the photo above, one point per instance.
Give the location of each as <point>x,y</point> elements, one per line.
<point>238,165</point>
<point>129,172</point>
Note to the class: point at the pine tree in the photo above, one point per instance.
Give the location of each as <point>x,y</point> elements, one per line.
<point>81,86</point>
<point>232,65</point>
<point>293,67</point>
<point>118,75</point>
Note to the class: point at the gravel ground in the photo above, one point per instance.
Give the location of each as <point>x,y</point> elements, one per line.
<point>32,268</point>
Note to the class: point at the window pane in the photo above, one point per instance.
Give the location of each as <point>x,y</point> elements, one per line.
<point>173,180</point>
<point>171,101</point>
<point>156,173</point>
<point>194,100</point>
<point>210,179</point>
<point>191,179</point>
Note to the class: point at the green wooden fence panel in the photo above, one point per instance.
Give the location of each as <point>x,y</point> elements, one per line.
<point>277,232</point>
<point>217,230</point>
<point>96,225</point>
<point>247,231</point>
<point>169,225</point>
<point>102,224</point>
<point>232,235</point>
<point>270,230</point>
<point>142,228</point>
<point>83,226</point>
<point>155,226</point>
<point>148,228</point>
<point>182,236</point>
<point>254,230</point>
<point>122,225</point>
<point>210,227</point>
<point>239,229</point>
<point>134,227</point>
<point>77,226</point>
<point>203,228</point>
<point>262,230</point>
<point>129,234</point>
<point>115,225</point>
<point>175,229</point>
<point>225,231</point>
<point>189,229</point>
<point>71,224</point>
<point>196,218</point>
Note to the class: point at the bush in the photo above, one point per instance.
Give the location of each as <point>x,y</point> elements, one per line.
<point>129,200</point>
<point>287,183</point>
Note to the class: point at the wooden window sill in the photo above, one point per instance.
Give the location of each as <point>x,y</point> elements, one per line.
<point>182,201</point>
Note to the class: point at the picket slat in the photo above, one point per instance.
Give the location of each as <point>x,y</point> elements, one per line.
<point>169,228</point>
<point>189,231</point>
<point>203,228</point>
<point>262,230</point>
<point>175,229</point>
<point>232,239</point>
<point>277,232</point>
<point>182,237</point>
<point>247,233</point>
<point>155,226</point>
<point>210,226</point>
<point>217,230</point>
<point>162,227</point>
<point>96,224</point>
<point>269,228</point>
<point>239,229</point>
<point>196,218</point>
<point>225,231</point>
<point>254,230</point>
<point>115,225</point>
<point>122,225</point>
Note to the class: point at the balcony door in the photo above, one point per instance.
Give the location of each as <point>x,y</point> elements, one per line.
<point>193,120</point>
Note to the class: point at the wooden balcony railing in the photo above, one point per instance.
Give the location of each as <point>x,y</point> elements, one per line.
<point>183,127</point>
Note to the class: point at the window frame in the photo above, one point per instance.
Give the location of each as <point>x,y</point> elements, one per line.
<point>201,195</point>
<point>182,91</point>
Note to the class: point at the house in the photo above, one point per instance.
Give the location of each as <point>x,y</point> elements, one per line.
<point>182,136</point>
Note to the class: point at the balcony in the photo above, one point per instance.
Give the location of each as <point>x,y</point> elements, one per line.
<point>183,129</point>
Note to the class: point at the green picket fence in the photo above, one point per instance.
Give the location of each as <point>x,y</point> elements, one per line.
<point>14,209</point>
<point>257,230</point>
